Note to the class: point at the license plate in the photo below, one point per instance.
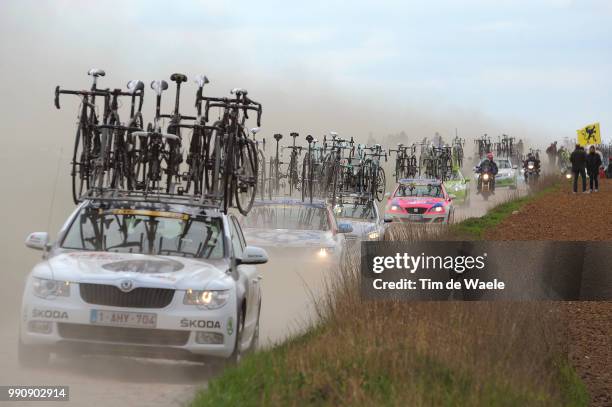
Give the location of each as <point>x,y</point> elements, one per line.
<point>121,318</point>
<point>415,218</point>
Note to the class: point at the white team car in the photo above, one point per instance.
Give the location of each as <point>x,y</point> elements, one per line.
<point>142,279</point>
<point>288,227</point>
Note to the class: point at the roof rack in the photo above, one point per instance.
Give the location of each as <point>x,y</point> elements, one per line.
<point>119,195</point>
<point>432,181</point>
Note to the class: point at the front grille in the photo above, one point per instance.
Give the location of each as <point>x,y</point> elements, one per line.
<point>416,211</point>
<point>141,297</point>
<point>140,336</point>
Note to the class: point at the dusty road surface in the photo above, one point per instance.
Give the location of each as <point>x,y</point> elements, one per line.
<point>112,381</point>
<point>565,216</point>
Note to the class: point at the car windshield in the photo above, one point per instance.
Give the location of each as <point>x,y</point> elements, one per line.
<point>295,217</point>
<point>363,212</point>
<point>501,164</point>
<point>414,190</point>
<point>146,232</point>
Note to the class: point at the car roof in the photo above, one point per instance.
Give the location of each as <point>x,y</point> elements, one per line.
<point>420,181</point>
<point>154,206</point>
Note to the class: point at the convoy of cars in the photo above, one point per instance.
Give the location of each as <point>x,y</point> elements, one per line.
<point>175,281</point>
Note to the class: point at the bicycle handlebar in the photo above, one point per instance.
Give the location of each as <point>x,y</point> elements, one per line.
<point>58,91</point>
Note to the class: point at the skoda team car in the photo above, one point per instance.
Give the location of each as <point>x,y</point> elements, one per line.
<point>142,279</point>
<point>290,226</point>
<point>364,219</point>
<point>421,201</point>
<point>507,175</point>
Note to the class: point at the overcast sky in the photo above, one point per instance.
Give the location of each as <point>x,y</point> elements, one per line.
<point>527,66</point>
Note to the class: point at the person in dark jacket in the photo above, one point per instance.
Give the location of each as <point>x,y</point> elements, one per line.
<point>593,162</point>
<point>578,160</point>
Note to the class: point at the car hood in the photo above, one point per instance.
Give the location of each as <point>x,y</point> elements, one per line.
<point>288,238</point>
<point>143,270</point>
<point>416,202</point>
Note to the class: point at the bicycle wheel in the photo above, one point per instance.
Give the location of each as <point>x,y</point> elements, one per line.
<point>228,173</point>
<point>305,176</point>
<point>380,184</point>
<point>261,177</point>
<point>246,175</point>
<point>79,173</point>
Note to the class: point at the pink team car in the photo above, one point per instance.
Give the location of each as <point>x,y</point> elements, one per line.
<point>420,201</point>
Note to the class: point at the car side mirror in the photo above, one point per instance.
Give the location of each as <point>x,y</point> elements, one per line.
<point>345,228</point>
<point>451,197</point>
<point>37,240</point>
<point>253,255</point>
<point>388,219</point>
<point>514,167</point>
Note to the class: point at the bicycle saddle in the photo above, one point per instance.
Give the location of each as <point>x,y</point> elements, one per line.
<point>255,130</point>
<point>178,77</point>
<point>159,86</point>
<point>278,136</point>
<point>201,80</point>
<point>96,72</point>
<point>239,91</point>
<point>135,85</point>
<point>294,134</point>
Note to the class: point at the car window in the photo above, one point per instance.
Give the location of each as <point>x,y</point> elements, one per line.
<point>145,232</point>
<point>292,217</point>
<point>354,211</point>
<point>414,190</point>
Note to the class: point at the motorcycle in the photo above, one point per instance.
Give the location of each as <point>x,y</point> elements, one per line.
<point>485,182</point>
<point>531,173</point>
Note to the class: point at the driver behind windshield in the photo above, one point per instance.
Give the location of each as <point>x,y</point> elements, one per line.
<point>429,190</point>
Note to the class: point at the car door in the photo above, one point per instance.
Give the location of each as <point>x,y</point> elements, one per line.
<point>250,278</point>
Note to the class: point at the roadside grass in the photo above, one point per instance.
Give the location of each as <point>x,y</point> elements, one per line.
<point>391,353</point>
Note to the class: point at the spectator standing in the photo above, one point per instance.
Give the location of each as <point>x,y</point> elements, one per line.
<point>593,162</point>
<point>578,160</point>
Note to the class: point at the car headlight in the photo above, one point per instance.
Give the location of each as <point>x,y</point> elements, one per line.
<point>210,299</point>
<point>50,288</point>
<point>395,208</point>
<point>324,252</point>
<point>374,235</point>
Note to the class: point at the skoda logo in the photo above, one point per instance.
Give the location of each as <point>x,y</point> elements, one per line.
<point>126,285</point>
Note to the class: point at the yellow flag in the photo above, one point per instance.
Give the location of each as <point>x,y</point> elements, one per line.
<point>589,135</point>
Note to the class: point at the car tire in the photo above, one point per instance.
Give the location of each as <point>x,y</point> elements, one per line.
<point>33,357</point>
<point>236,355</point>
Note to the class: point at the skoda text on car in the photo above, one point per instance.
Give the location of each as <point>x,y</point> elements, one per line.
<point>287,226</point>
<point>421,201</point>
<point>363,217</point>
<point>143,279</point>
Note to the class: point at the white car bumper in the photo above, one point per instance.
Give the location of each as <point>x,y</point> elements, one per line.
<point>69,323</point>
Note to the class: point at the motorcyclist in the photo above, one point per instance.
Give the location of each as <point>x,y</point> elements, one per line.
<point>487,165</point>
<point>536,164</point>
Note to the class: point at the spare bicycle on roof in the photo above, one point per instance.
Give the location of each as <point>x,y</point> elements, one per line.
<point>188,159</point>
